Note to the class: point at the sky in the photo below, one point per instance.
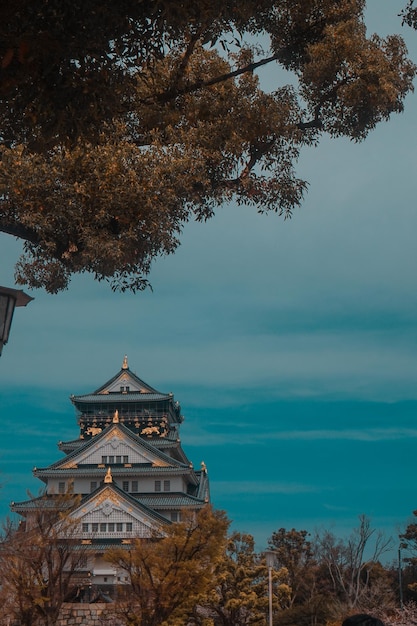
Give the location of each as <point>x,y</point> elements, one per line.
<point>291,345</point>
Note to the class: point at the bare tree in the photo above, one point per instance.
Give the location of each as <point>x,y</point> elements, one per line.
<point>39,560</point>
<point>351,563</point>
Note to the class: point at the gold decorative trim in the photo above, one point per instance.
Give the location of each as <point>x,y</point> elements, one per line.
<point>107,494</point>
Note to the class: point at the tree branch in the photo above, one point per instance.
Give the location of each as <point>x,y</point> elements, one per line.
<point>18,230</point>
<point>172,93</point>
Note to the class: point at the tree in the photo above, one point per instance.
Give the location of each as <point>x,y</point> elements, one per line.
<point>39,562</point>
<point>409,14</point>
<point>351,573</point>
<point>239,597</point>
<point>121,121</point>
<point>404,616</point>
<point>409,537</point>
<point>168,575</point>
<point>408,540</point>
<point>293,551</point>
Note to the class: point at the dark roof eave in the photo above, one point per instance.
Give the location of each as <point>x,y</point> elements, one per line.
<point>112,398</point>
<point>46,472</point>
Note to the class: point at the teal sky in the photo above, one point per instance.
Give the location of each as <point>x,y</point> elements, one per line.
<point>292,346</point>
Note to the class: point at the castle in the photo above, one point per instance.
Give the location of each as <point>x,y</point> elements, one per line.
<point>127,469</point>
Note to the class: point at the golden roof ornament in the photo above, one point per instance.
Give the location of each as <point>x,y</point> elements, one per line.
<point>203,467</point>
<point>116,417</point>
<point>125,365</point>
<point>108,477</point>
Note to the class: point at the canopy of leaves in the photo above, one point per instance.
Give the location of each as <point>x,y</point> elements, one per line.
<point>121,121</point>
<point>409,14</point>
<point>168,576</point>
<point>239,596</point>
<point>293,551</point>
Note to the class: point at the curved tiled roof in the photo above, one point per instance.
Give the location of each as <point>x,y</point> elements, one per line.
<point>50,502</point>
<point>52,472</point>
<point>168,501</point>
<point>109,398</point>
<point>46,502</point>
<point>203,487</point>
<point>70,446</point>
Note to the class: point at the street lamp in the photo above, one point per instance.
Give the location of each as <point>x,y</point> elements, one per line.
<point>270,556</point>
<point>9,299</point>
<point>400,574</point>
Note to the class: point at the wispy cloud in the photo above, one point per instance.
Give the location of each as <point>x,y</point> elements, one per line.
<point>262,487</point>
<point>251,437</point>
<point>366,434</point>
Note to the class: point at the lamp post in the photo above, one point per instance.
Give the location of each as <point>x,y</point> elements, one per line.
<point>400,574</point>
<point>270,562</point>
<point>9,299</point>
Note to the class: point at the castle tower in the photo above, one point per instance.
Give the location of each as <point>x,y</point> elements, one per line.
<point>127,468</point>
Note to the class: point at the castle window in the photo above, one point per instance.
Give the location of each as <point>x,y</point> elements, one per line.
<point>125,459</point>
<point>125,485</point>
<point>119,527</point>
<point>111,527</point>
<point>129,527</point>
<point>157,485</point>
<point>167,485</point>
<point>127,389</point>
<point>111,460</point>
<point>61,487</point>
<point>85,528</point>
<point>94,527</point>
<point>118,459</point>
<point>103,527</point>
<point>134,486</point>
<point>104,460</point>
<point>93,485</point>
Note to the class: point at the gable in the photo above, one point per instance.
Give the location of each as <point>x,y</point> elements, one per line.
<point>115,447</point>
<point>110,515</point>
<point>125,381</point>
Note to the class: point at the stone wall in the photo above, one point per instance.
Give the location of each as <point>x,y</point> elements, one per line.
<point>78,614</point>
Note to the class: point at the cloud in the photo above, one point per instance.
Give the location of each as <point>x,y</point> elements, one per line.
<point>365,434</point>
<point>254,437</point>
<point>236,488</point>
